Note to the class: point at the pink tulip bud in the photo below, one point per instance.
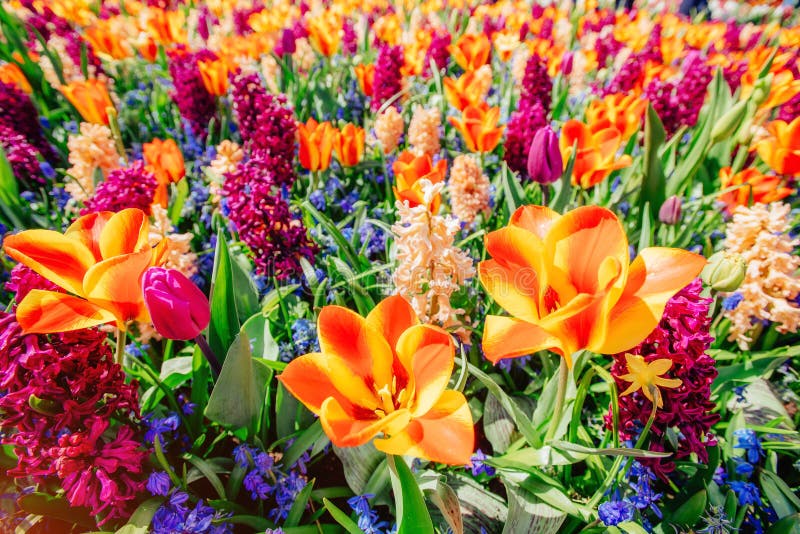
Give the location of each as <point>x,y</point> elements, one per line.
<point>178,308</point>
<point>566,63</point>
<point>545,165</point>
<point>670,212</point>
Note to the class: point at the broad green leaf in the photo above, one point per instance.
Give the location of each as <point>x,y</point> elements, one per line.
<point>299,505</point>
<point>780,496</point>
<point>209,473</point>
<point>560,202</point>
<point>342,518</point>
<point>787,525</point>
<point>360,465</point>
<point>653,183</point>
<point>303,442</point>
<point>176,371</point>
<point>527,513</point>
<point>224,324</point>
<point>690,511</point>
<point>497,424</point>
<point>258,331</point>
<point>57,508</point>
<point>629,527</point>
<point>244,288</point>
<point>234,401</point>
<point>444,497</point>
<point>512,189</point>
<point>409,502</point>
<point>139,522</point>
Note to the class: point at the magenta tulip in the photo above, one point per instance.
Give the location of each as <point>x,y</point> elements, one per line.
<point>178,309</point>
<point>545,165</point>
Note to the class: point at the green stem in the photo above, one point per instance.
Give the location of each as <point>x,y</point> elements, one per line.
<point>561,393</point>
<point>121,333</point>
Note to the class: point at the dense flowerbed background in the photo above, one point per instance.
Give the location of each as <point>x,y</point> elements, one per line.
<point>335,266</point>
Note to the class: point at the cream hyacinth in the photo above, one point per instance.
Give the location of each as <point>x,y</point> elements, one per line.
<point>760,234</point>
<point>423,131</point>
<point>93,148</point>
<point>389,127</point>
<point>229,154</point>
<point>469,189</point>
<point>430,268</point>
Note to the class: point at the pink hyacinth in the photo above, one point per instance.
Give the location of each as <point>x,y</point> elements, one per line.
<point>128,187</point>
<point>437,52</point>
<point>388,78</point>
<point>683,337</point>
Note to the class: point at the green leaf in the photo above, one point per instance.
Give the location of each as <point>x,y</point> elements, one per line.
<point>434,486</point>
<point>303,442</point>
<point>409,502</point>
<point>550,494</point>
<point>559,204</point>
<point>224,323</point>
<point>612,451</point>
<point>780,496</point>
<point>139,522</point>
<point>527,513</point>
<point>56,508</point>
<point>653,182</point>
<point>629,527</point>
<point>342,518</point>
<point>181,193</point>
<point>497,424</point>
<point>788,525</point>
<point>234,401</point>
<point>244,288</point>
<point>299,505</point>
<point>209,472</point>
<point>689,512</point>
<point>257,523</point>
<point>513,192</point>
<point>176,371</point>
<point>258,331</point>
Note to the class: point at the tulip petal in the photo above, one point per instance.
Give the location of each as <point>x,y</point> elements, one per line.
<point>87,230</point>
<point>346,431</point>
<point>428,354</point>
<point>347,335</point>
<point>535,219</point>
<point>506,337</point>
<point>48,312</point>
<point>513,287</point>
<point>115,284</point>
<point>654,277</point>
<point>60,259</point>
<point>445,434</point>
<point>310,380</point>
<point>393,316</point>
<point>124,233</point>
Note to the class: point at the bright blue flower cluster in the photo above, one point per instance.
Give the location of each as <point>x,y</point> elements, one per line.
<point>177,515</point>
<point>478,466</point>
<point>643,497</point>
<point>368,520</point>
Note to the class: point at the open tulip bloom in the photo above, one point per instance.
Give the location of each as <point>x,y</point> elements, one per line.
<point>568,284</point>
<point>384,374</point>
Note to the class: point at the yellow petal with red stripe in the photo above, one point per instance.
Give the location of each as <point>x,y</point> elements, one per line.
<point>47,312</point>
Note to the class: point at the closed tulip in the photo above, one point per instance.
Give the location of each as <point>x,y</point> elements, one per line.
<point>409,171</point>
<point>165,161</point>
<point>316,144</point>
<point>90,98</point>
<point>178,309</point>
<point>545,165</point>
<point>349,145</point>
<point>478,127</point>
<point>215,76</point>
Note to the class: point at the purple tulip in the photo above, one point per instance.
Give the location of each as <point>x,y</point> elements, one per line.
<point>566,63</point>
<point>178,309</point>
<point>545,165</point>
<point>670,212</point>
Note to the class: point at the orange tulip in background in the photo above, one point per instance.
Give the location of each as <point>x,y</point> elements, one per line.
<point>100,260</point>
<point>624,112</point>
<point>468,90</point>
<point>324,33</point>
<point>105,38</point>
<point>349,145</point>
<point>782,89</point>
<point>316,144</point>
<point>755,188</point>
<point>11,73</point>
<point>90,98</point>
<point>366,75</point>
<point>597,147</point>
<point>781,149</point>
<point>478,127</point>
<point>471,51</point>
<point>215,76</point>
<point>410,170</point>
<point>385,374</point>
<point>568,284</point>
<point>165,161</point>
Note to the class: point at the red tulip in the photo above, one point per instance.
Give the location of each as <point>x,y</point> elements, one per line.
<point>179,309</point>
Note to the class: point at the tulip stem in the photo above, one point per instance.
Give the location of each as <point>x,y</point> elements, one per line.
<point>561,393</point>
<point>121,333</point>
<point>208,353</point>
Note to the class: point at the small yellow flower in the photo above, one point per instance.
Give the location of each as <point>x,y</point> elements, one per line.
<point>647,376</point>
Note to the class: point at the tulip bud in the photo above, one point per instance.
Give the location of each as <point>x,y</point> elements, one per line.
<point>178,308</point>
<point>566,63</point>
<point>729,122</point>
<point>288,45</point>
<point>761,89</point>
<point>545,165</point>
<point>670,212</point>
<point>725,271</point>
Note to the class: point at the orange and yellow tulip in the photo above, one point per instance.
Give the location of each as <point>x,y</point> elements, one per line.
<point>90,98</point>
<point>106,38</point>
<point>12,74</point>
<point>165,161</point>
<point>99,261</point>
<point>754,186</point>
<point>624,112</point>
<point>478,127</point>
<point>568,284</point>
<point>781,149</point>
<point>215,76</point>
<point>596,147</point>
<point>782,89</point>
<point>410,170</point>
<point>349,145</point>
<point>324,33</point>
<point>365,73</point>
<point>384,374</point>
<point>471,51</point>
<point>469,89</point>
<point>316,144</point>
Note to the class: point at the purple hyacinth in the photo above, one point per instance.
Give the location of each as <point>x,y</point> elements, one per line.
<point>18,113</point>
<point>349,38</point>
<point>194,102</point>
<point>128,187</point>
<point>521,128</point>
<point>537,87</point>
<point>388,78</point>
<point>22,156</point>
